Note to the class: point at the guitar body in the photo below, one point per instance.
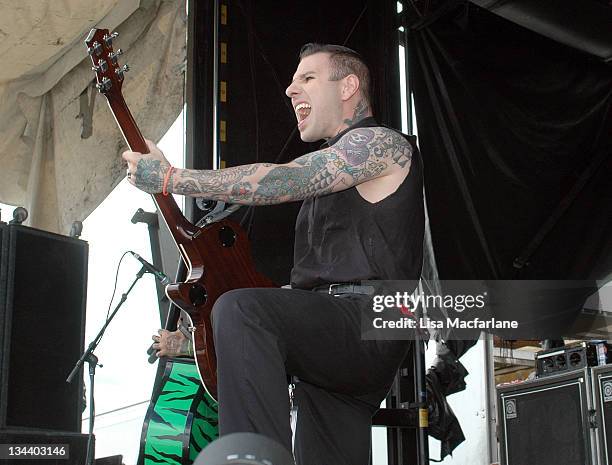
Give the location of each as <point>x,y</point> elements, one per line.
<point>219,260</point>
<point>217,256</point>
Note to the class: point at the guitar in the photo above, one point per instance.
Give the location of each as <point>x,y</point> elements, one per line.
<point>217,256</point>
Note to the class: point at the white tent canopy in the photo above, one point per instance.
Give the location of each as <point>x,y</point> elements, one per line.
<point>50,162</point>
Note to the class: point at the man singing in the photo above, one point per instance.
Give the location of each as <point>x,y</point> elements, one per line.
<point>361,219</point>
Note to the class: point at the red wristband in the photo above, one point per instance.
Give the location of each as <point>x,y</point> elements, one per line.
<point>166,179</point>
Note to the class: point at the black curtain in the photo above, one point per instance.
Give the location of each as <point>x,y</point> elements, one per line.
<point>516,135</point>
<point>263,42</point>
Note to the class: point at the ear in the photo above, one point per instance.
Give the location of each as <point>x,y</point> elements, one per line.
<point>350,86</point>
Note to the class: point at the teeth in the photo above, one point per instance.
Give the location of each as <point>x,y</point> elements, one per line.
<point>302,105</point>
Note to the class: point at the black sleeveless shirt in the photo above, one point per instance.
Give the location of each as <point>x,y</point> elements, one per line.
<point>341,237</point>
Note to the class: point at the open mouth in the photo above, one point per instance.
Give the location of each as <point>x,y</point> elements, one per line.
<point>302,111</point>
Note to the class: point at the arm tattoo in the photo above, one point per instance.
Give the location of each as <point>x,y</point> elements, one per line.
<point>213,182</point>
<point>288,183</point>
<point>360,155</point>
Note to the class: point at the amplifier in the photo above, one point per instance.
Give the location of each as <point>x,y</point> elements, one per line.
<point>43,289</point>
<point>571,357</point>
<point>39,447</point>
<point>548,421</point>
<point>602,397</point>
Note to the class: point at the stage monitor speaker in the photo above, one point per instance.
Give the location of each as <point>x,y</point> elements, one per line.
<point>112,460</point>
<point>74,451</point>
<point>43,287</point>
<point>602,396</point>
<point>546,421</point>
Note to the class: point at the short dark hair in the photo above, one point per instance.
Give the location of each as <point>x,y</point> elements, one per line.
<point>344,61</point>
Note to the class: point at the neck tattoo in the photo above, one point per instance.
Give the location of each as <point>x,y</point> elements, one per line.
<point>361,111</point>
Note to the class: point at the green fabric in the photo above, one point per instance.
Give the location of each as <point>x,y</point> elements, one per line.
<point>181,415</point>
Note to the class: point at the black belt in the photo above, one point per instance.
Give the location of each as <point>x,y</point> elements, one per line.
<point>345,288</point>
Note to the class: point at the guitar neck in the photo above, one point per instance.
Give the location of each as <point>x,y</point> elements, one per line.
<point>180,228</point>
<point>109,80</point>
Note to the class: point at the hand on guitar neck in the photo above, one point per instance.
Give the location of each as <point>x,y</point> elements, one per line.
<point>147,171</point>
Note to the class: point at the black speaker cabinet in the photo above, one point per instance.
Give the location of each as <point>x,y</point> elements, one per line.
<point>43,286</point>
<point>71,447</point>
<point>547,421</point>
<point>602,396</point>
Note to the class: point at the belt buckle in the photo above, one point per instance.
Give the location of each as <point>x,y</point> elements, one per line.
<point>331,287</point>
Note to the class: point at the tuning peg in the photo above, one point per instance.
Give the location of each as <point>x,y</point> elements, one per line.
<point>113,56</point>
<point>121,71</point>
<point>96,48</point>
<point>102,67</point>
<point>104,85</point>
<point>109,38</point>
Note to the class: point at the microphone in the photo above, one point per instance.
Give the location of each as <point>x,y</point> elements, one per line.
<point>161,277</point>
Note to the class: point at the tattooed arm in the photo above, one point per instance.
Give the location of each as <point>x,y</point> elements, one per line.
<point>360,155</point>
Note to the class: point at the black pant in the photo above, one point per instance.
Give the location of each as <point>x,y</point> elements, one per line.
<point>263,335</point>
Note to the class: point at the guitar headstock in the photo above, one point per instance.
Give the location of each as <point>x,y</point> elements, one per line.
<point>109,74</point>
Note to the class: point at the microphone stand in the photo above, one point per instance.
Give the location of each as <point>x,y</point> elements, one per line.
<point>89,357</point>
